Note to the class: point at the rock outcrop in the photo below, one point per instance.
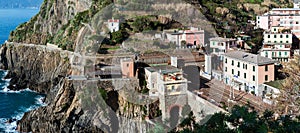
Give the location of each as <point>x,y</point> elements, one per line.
<point>51,18</point>
<point>72,106</point>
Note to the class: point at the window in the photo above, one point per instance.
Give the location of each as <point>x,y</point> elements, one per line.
<point>266,77</point>
<point>268,36</point>
<point>280,41</point>
<point>275,30</point>
<point>266,67</point>
<point>285,53</point>
<point>275,35</point>
<point>232,71</point>
<point>238,64</point>
<point>225,60</point>
<point>280,36</point>
<point>246,66</point>
<point>243,66</point>
<point>238,73</point>
<point>232,63</point>
<point>253,68</point>
<point>245,76</point>
<point>272,54</point>
<point>225,69</point>
<point>287,36</point>
<point>253,78</point>
<point>275,41</point>
<point>127,65</point>
<point>279,54</point>
<point>287,41</point>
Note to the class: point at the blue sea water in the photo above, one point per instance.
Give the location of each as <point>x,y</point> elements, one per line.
<point>11,18</point>
<point>13,104</point>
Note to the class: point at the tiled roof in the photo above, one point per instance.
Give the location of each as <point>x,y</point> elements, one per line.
<point>250,58</point>
<point>113,20</point>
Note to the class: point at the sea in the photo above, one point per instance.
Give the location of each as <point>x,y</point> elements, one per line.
<point>13,104</point>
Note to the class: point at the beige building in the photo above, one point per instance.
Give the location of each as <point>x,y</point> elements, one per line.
<point>168,84</point>
<point>247,72</point>
<point>165,80</point>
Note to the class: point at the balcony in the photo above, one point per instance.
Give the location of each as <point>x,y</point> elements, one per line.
<point>173,78</point>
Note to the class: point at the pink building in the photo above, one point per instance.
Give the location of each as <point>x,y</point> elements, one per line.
<point>247,72</point>
<point>127,67</point>
<point>284,17</point>
<point>192,37</point>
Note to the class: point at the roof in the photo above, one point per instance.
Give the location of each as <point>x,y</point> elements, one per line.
<point>220,39</point>
<point>163,69</point>
<point>250,58</point>
<point>113,20</point>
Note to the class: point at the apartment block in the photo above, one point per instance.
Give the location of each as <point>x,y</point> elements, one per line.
<point>247,72</point>
<point>277,44</point>
<point>285,17</point>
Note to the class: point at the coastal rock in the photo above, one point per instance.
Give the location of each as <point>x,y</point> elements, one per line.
<point>70,107</point>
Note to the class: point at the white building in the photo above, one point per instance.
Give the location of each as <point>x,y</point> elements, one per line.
<point>277,44</point>
<point>247,72</point>
<point>220,45</point>
<point>165,80</point>
<point>113,25</point>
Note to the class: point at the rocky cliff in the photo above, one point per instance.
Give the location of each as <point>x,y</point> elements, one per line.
<point>72,106</point>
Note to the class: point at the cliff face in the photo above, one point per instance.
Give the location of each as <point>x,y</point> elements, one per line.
<point>33,67</point>
<point>52,16</point>
<point>58,22</point>
<point>72,106</point>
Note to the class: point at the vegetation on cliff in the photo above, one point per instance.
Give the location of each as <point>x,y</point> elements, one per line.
<point>227,17</point>
<point>242,119</point>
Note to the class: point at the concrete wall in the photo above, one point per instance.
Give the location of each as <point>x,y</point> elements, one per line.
<point>201,107</point>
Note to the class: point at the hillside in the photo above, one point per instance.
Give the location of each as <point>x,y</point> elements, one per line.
<point>61,26</point>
